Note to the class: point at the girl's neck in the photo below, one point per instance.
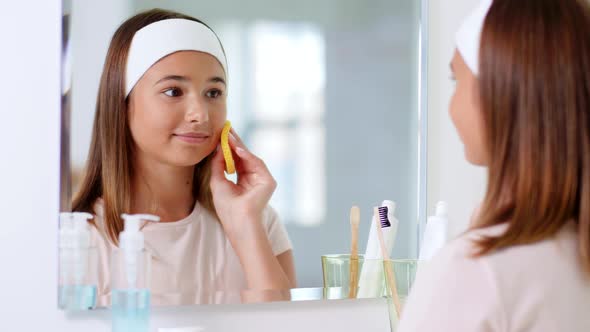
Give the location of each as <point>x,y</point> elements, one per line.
<point>163,190</point>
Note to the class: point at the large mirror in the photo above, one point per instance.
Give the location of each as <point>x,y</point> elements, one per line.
<point>327,93</point>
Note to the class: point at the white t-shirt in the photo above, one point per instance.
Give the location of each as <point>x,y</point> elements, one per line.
<point>192,259</point>
<point>537,287</point>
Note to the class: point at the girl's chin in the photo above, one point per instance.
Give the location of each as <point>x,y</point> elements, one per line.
<point>474,159</point>
<point>188,160</point>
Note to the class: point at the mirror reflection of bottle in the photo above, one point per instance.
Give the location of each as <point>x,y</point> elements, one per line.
<point>77,263</point>
<point>130,272</point>
<point>371,280</point>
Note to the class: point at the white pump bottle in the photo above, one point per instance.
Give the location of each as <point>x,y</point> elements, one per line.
<point>77,262</point>
<point>130,273</point>
<point>131,259</point>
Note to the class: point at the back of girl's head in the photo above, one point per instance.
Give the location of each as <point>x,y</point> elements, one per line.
<point>109,165</point>
<point>534,86</point>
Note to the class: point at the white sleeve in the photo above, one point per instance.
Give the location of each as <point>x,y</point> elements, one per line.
<point>454,292</point>
<point>276,232</point>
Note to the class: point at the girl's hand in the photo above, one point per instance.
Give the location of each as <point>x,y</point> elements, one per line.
<point>240,208</point>
<point>241,204</point>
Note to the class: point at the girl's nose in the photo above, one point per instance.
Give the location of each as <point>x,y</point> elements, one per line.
<point>197,112</point>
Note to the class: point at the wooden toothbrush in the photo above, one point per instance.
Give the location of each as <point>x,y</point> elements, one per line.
<point>355,219</point>
<point>389,275</point>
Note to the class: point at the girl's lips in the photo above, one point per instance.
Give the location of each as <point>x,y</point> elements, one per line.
<point>193,138</point>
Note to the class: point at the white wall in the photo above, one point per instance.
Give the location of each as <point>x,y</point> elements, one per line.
<point>450,177</point>
<point>29,141</point>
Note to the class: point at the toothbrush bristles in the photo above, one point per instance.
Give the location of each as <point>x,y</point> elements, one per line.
<point>383,217</point>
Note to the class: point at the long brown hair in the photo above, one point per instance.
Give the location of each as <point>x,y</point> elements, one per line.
<point>109,168</point>
<point>534,85</point>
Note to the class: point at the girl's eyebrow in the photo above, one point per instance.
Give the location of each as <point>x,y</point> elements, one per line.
<point>179,78</point>
<point>173,78</point>
<point>217,79</point>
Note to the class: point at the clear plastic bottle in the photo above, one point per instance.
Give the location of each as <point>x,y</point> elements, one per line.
<point>78,261</point>
<point>130,272</point>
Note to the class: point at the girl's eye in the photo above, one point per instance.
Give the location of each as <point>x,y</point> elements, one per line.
<point>215,93</point>
<point>173,92</point>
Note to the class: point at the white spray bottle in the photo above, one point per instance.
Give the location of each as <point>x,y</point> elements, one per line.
<point>435,233</point>
<point>371,282</point>
<point>77,263</point>
<point>130,298</point>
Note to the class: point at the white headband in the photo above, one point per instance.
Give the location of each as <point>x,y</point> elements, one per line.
<point>159,39</point>
<point>469,35</point>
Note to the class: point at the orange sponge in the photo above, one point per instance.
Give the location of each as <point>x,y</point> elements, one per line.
<point>227,155</point>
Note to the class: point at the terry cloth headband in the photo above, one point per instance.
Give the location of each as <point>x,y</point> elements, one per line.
<point>159,39</point>
<point>469,35</point>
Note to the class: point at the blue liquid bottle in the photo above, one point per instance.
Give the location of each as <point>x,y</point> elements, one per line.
<point>130,271</point>
<point>77,263</point>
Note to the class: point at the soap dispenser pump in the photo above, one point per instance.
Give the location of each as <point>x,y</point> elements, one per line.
<point>78,261</point>
<point>130,293</point>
